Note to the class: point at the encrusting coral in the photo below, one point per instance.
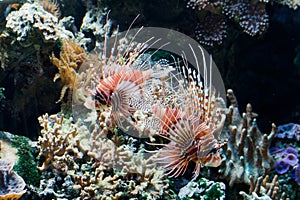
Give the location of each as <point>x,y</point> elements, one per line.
<point>247,150</point>
<point>11,184</point>
<point>24,23</point>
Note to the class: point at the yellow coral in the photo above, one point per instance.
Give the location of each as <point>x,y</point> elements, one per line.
<point>50,6</point>
<point>70,58</point>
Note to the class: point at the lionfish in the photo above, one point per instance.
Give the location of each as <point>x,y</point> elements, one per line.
<point>191,126</point>
<point>119,86</point>
<point>174,103</point>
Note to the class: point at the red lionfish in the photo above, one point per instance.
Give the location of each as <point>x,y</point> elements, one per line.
<point>152,97</point>
<point>191,126</point>
<point>123,75</point>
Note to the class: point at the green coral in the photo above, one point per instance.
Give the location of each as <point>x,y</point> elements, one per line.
<point>203,189</point>
<point>26,165</point>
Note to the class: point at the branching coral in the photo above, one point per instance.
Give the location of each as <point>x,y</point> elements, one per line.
<point>98,166</point>
<point>56,140</point>
<point>247,149</point>
<point>262,189</point>
<point>71,57</point>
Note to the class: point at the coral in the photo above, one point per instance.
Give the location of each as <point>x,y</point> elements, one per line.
<point>203,189</point>
<point>50,6</point>
<point>250,15</point>
<point>98,167</point>
<point>11,184</point>
<point>254,19</point>
<point>57,138</point>
<point>247,150</point>
<point>26,164</point>
<point>32,18</point>
<point>70,58</point>
<point>95,24</point>
<point>30,35</point>
<point>264,190</point>
<point>212,30</point>
<point>286,158</point>
<point>289,131</point>
<point>296,174</point>
<point>205,4</point>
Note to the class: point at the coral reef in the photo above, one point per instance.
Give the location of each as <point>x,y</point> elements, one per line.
<point>212,30</point>
<point>247,150</point>
<point>97,167</point>
<point>30,35</point>
<point>95,26</point>
<point>11,184</point>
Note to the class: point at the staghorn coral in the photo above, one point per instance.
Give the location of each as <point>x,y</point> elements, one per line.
<point>11,184</point>
<point>70,58</point>
<point>262,189</point>
<point>247,150</point>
